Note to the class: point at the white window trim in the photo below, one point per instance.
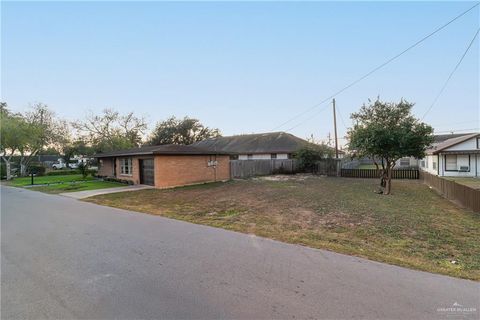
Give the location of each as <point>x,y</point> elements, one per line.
<point>446,162</point>
<point>122,165</point>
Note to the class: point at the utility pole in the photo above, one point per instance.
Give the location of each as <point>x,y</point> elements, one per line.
<point>335,128</point>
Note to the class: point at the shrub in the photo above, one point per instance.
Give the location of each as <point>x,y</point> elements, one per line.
<point>36,169</point>
<point>129,182</point>
<point>308,156</point>
<point>83,168</point>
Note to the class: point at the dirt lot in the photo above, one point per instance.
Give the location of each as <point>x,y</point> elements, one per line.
<point>413,227</point>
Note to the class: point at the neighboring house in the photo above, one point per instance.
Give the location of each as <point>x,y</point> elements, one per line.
<point>260,146</point>
<point>407,162</point>
<point>403,163</point>
<point>454,156</point>
<point>165,165</point>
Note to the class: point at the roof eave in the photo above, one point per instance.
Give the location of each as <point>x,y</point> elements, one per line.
<point>111,155</point>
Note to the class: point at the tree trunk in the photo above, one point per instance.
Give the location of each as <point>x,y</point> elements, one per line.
<point>23,167</point>
<point>8,167</point>
<point>388,181</point>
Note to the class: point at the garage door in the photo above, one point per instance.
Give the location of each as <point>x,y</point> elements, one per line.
<point>147,172</point>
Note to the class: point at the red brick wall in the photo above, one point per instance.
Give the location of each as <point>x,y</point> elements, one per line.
<point>105,168</point>
<point>172,171</point>
<point>175,170</point>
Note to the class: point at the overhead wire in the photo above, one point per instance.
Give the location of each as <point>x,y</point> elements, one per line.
<point>374,70</point>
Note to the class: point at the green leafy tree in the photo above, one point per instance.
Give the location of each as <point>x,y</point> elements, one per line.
<point>44,130</point>
<point>78,147</point>
<point>388,131</point>
<point>14,135</point>
<point>27,134</point>
<point>181,131</point>
<point>309,156</point>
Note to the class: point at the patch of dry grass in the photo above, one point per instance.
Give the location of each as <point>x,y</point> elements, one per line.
<point>414,227</point>
<point>473,183</point>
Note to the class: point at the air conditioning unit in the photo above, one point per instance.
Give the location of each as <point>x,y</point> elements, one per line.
<point>464,169</point>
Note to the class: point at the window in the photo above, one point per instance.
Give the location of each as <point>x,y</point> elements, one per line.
<point>434,165</point>
<point>249,156</point>
<point>451,162</point>
<point>422,163</point>
<point>126,166</point>
<point>478,143</point>
<point>405,162</point>
<point>273,156</point>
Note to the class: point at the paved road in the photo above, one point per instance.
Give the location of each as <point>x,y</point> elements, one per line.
<point>63,258</point>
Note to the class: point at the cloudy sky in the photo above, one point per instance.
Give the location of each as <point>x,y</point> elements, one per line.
<point>242,67</point>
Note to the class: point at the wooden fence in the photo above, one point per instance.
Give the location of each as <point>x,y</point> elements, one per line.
<point>466,196</point>
<point>328,167</point>
<point>251,168</point>
<point>373,173</point>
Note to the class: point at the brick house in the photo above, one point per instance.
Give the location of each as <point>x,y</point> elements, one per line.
<point>165,166</point>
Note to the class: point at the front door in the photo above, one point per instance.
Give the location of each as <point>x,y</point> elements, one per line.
<point>147,172</point>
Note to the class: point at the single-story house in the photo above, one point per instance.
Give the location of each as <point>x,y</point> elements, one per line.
<point>458,156</point>
<point>259,146</point>
<point>165,166</point>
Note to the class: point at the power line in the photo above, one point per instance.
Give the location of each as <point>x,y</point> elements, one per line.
<point>450,123</point>
<point>451,74</point>
<point>374,70</point>
<point>299,124</point>
<point>457,130</point>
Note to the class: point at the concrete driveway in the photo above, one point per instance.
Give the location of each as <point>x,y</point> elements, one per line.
<point>96,192</point>
<point>63,258</point>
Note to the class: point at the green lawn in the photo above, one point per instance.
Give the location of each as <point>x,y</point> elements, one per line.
<point>25,181</point>
<point>66,183</point>
<point>77,186</point>
<point>414,227</point>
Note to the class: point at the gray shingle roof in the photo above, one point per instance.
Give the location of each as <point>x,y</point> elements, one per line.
<point>168,149</point>
<point>442,137</point>
<point>270,142</point>
<point>437,147</point>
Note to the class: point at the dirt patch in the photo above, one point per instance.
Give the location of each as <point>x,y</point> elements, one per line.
<point>284,177</point>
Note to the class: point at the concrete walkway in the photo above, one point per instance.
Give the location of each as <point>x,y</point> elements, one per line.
<point>91,193</point>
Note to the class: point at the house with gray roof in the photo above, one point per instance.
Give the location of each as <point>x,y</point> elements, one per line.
<point>259,146</point>
<point>454,156</point>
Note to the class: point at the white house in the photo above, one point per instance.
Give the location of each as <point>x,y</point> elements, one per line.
<point>455,157</point>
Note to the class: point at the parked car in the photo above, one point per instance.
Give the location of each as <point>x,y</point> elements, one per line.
<point>73,164</point>
<point>58,165</point>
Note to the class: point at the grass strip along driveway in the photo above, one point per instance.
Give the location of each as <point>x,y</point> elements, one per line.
<point>414,227</point>
<point>66,183</point>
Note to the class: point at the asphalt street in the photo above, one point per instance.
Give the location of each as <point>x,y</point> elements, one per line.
<point>67,259</point>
